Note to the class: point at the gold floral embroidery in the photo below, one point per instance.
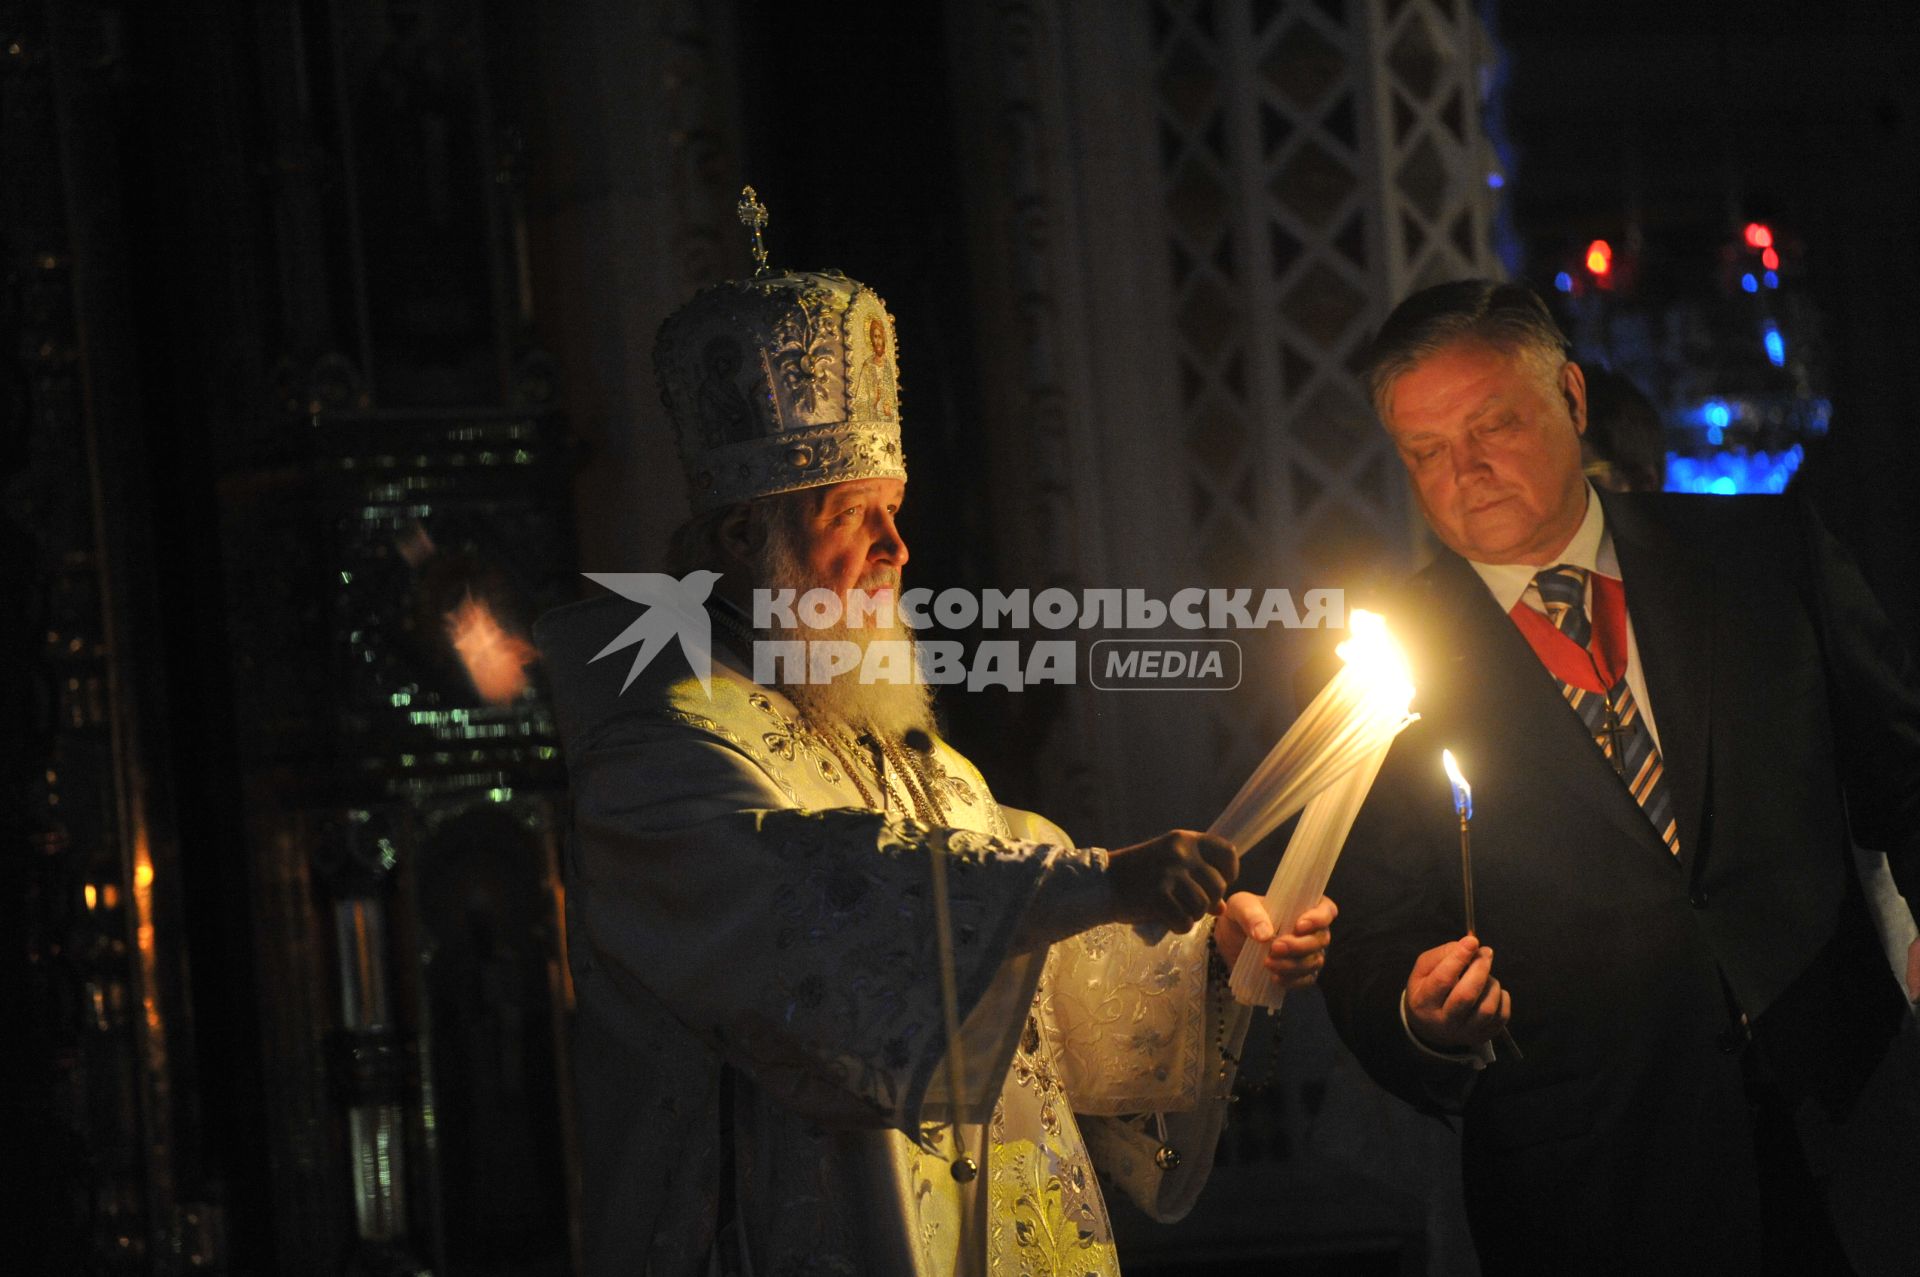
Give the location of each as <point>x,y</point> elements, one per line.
<point>945,781</point>
<point>789,739</point>
<point>1050,1238</point>
<point>1042,1199</point>
<point>708,725</point>
<point>1104,989</point>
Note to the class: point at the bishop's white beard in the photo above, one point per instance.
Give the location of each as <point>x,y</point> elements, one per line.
<point>891,709</point>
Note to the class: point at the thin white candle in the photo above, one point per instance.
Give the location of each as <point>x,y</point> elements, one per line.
<point>1336,732</point>
<point>1463,808</point>
<point>1301,877</point>
<point>1326,764</point>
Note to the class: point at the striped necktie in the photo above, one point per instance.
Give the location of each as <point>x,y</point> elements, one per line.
<point>1611,718</point>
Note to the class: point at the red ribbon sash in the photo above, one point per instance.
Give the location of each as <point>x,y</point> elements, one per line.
<point>1596,669</point>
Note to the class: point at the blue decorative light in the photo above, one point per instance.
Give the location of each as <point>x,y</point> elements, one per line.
<point>1563,282</point>
<point>1776,347</point>
<point>1748,282</point>
<point>1726,473</point>
<point>1771,279</point>
<point>1717,414</point>
<point>1716,435</point>
<point>1496,181</point>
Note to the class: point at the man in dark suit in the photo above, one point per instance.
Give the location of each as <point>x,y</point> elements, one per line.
<point>1672,711</point>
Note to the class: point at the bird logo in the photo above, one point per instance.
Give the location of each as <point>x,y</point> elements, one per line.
<point>675,609</point>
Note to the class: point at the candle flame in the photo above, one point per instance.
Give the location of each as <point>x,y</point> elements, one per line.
<point>1462,791</point>
<point>1372,654</point>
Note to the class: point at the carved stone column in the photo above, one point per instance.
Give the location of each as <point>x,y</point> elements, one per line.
<point>630,210</point>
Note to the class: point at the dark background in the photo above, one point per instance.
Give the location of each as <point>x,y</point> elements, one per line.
<point>1701,117</point>
<point>210,293</point>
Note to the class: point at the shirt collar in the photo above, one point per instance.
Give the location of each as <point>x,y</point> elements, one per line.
<point>1591,548</point>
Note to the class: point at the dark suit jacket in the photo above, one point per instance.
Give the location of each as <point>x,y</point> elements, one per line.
<point>1784,705</point>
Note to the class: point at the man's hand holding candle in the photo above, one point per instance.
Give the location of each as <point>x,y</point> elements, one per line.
<point>1294,957</point>
<point>1453,1001</point>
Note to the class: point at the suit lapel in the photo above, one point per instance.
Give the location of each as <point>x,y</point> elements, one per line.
<point>1670,599</point>
<point>1494,679</point>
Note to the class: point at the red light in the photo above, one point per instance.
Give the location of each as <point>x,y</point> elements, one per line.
<point>1599,257</point>
<point>1759,235</point>
<point>1770,259</point>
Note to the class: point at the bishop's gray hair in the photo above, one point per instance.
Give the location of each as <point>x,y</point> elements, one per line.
<point>1509,317</point>
<point>697,544</point>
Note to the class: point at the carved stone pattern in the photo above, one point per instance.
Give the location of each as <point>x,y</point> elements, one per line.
<point>1436,154</point>
<point>1318,162</point>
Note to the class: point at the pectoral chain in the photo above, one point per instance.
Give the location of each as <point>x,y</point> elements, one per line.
<point>866,755</point>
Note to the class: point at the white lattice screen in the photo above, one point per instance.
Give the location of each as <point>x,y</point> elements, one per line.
<point>1319,159</point>
<point>1187,218</point>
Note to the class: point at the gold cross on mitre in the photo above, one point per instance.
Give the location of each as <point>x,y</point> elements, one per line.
<point>753,216</point>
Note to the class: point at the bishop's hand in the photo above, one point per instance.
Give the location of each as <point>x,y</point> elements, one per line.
<point>1171,881</point>
<point>1453,1001</point>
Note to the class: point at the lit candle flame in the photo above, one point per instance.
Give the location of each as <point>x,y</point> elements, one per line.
<point>1322,768</point>
<point>495,659</point>
<point>1462,791</point>
<point>1373,656</point>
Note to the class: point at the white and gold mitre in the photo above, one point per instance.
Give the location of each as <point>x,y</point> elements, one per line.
<point>784,381</point>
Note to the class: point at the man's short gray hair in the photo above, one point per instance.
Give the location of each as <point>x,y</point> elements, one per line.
<point>1507,317</point>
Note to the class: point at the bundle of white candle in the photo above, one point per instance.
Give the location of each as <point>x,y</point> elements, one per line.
<point>1326,764</point>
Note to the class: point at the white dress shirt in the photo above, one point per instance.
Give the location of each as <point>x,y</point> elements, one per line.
<point>1592,549</point>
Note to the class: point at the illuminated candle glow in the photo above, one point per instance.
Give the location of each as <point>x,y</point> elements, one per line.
<point>1322,768</point>
<point>1462,791</point>
<point>1463,808</point>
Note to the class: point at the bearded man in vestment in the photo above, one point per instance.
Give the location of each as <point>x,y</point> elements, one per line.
<point>763,1068</point>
